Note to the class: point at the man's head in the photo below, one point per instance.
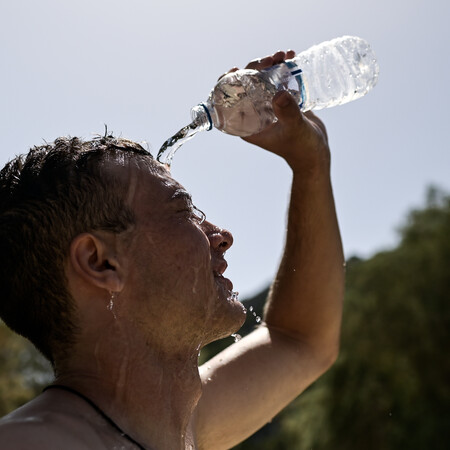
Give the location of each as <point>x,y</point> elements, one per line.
<point>47,197</point>
<point>172,266</point>
<point>58,194</point>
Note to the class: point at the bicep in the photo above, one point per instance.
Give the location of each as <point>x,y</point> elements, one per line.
<point>248,383</point>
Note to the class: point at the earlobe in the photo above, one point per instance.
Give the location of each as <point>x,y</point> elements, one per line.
<point>94,260</point>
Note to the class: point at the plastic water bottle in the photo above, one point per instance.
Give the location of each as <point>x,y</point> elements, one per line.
<point>329,74</point>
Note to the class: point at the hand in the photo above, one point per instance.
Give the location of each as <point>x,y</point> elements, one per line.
<point>301,139</point>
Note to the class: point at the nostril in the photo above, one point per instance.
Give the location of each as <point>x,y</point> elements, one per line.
<point>227,239</point>
<point>221,241</point>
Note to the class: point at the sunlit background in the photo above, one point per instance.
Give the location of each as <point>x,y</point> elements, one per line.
<point>68,68</point>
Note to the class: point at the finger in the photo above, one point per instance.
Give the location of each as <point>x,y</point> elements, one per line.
<point>269,61</point>
<point>290,54</point>
<point>258,64</point>
<point>286,108</point>
<point>278,57</point>
<point>234,69</point>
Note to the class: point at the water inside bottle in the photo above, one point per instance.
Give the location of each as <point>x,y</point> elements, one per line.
<point>243,103</point>
<point>168,149</point>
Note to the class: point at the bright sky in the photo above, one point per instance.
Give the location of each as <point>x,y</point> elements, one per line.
<point>68,68</point>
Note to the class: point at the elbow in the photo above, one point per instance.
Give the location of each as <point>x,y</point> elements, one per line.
<point>332,358</point>
<point>327,357</point>
<point>324,355</point>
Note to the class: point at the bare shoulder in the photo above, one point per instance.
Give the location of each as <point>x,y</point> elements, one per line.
<point>24,433</point>
<point>54,421</point>
<point>38,426</point>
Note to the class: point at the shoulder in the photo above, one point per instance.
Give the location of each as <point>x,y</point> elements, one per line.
<point>18,434</point>
<point>43,424</point>
<point>39,431</point>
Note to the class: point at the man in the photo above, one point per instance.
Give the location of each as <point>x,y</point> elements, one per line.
<point>118,279</point>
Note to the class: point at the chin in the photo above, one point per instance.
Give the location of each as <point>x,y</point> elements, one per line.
<point>228,319</point>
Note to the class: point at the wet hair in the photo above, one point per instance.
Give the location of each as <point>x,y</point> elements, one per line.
<point>47,197</point>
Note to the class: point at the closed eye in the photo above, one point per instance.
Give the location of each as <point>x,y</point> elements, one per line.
<point>198,214</point>
<point>194,213</point>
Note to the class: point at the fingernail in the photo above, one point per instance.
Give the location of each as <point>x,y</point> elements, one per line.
<point>282,98</point>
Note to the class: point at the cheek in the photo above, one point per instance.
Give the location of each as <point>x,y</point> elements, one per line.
<point>179,259</point>
<point>175,257</point>
<point>192,267</point>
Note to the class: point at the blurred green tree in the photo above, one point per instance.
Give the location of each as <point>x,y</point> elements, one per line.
<point>390,388</point>
<point>23,370</point>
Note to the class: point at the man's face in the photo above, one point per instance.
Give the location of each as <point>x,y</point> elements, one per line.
<point>175,263</point>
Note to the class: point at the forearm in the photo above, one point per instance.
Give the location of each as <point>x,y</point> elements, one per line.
<point>306,297</point>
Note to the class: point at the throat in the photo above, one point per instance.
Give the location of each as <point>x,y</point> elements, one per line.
<point>153,403</point>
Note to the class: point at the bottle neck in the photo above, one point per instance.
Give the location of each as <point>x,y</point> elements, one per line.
<point>201,115</point>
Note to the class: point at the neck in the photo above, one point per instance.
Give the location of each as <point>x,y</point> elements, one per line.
<point>149,392</point>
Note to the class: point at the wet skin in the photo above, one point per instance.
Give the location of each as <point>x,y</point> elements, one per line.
<point>138,360</point>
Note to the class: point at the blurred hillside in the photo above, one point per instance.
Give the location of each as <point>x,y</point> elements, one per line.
<point>389,388</point>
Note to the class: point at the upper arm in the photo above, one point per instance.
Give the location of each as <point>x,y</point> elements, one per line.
<point>250,382</point>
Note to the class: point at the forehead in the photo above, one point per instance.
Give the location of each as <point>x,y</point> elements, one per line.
<point>149,184</point>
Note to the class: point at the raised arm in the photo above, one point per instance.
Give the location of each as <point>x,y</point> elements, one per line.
<point>252,380</point>
<point>305,300</point>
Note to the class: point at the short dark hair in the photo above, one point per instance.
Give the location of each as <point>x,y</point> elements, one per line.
<point>48,197</point>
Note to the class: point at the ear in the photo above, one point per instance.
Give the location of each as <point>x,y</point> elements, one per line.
<point>93,258</point>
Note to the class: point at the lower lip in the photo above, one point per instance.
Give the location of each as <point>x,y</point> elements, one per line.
<point>228,284</point>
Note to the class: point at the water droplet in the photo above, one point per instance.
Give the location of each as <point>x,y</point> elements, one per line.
<point>110,306</point>
<point>237,337</point>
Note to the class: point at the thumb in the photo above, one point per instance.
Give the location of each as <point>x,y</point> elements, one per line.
<point>285,107</point>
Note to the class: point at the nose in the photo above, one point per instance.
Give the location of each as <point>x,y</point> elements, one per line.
<point>220,239</point>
